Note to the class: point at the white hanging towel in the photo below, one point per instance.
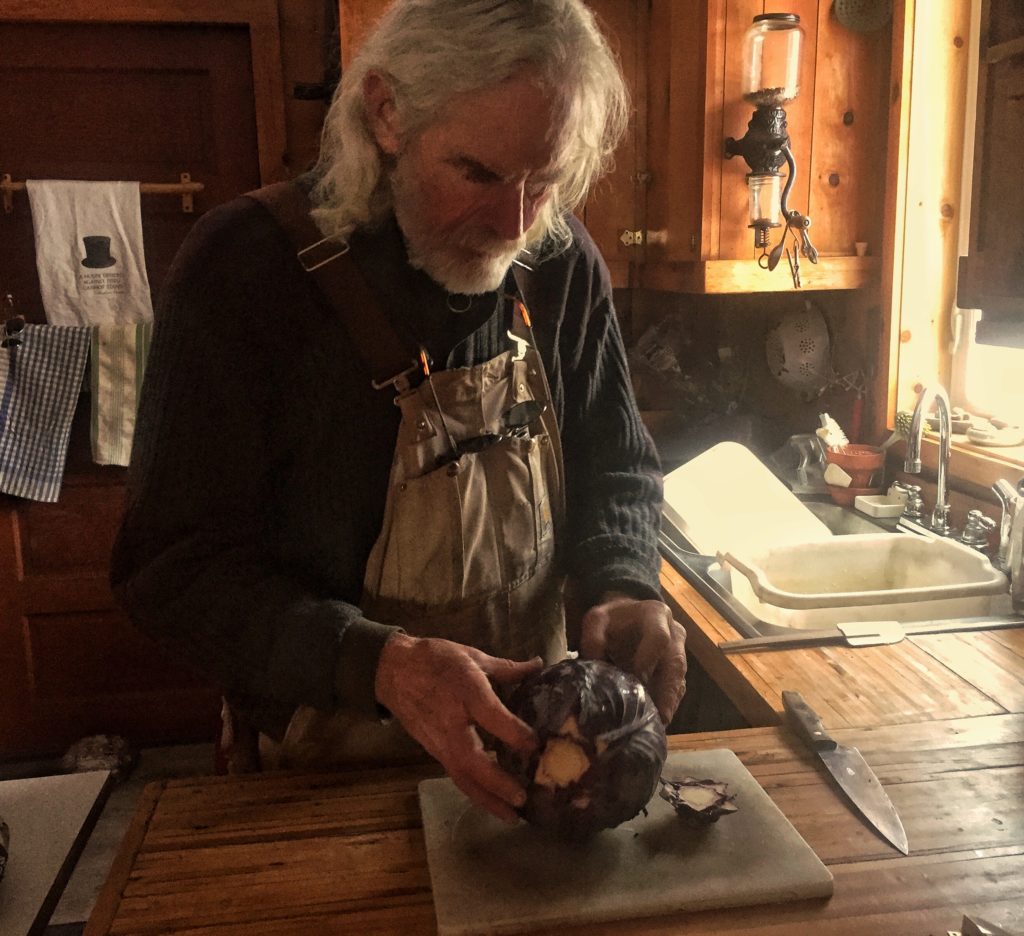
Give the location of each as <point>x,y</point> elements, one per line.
<point>40,379</point>
<point>89,253</point>
<point>117,366</point>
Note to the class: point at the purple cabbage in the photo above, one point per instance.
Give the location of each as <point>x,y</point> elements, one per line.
<point>601,747</point>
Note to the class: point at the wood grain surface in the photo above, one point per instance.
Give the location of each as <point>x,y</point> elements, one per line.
<point>924,678</point>
<point>344,853</point>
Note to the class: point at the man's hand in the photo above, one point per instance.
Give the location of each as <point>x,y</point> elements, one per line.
<point>440,691</point>
<point>642,638</point>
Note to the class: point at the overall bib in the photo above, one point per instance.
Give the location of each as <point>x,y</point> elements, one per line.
<point>467,547</point>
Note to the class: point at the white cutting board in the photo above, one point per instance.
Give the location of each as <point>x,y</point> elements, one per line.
<point>49,819</point>
<point>489,878</point>
<point>727,500</point>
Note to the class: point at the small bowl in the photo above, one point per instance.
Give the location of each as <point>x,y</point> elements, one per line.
<point>845,496</point>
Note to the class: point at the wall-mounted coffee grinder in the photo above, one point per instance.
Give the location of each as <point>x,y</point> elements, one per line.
<point>771,79</point>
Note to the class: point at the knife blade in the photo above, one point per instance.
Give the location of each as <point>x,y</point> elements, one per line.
<point>856,779</point>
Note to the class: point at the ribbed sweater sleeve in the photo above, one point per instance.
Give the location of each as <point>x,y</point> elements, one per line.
<point>613,477</point>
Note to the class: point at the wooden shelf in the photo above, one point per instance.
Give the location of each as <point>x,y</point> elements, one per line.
<point>745,276</point>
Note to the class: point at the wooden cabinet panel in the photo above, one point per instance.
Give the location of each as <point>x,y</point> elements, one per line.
<point>75,534</point>
<point>356,18</point>
<point>78,656</point>
<point>71,663</point>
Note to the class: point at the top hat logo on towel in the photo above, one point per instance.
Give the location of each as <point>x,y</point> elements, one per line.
<point>97,252</point>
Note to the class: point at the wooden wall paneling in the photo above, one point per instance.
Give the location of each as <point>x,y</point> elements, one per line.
<point>260,17</point>
<point>847,167</point>
<point>717,126</point>
<point>882,398</point>
<point>927,289</point>
<point>678,111</point>
<point>304,51</point>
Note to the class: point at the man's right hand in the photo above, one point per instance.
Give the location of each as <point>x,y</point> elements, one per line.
<point>441,691</point>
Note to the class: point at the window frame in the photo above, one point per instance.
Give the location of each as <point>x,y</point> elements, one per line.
<point>928,169</point>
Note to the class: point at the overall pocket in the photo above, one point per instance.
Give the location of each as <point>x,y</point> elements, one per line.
<point>469,528</point>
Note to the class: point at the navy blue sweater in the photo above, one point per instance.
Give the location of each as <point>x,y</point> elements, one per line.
<point>261,455</point>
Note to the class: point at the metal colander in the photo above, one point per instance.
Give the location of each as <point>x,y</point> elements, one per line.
<point>797,350</point>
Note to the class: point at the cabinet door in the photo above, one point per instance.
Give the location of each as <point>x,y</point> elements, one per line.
<point>105,101</point>
<point>613,210</point>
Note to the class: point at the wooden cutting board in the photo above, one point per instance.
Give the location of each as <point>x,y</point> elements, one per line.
<point>489,878</point>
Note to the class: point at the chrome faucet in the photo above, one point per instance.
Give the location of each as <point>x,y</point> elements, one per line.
<point>1011,537</point>
<point>912,461</point>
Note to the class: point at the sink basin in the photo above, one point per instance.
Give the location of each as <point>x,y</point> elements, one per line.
<point>866,577</point>
<point>731,593</point>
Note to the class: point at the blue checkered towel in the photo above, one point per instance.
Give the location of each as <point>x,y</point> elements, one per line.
<point>40,380</point>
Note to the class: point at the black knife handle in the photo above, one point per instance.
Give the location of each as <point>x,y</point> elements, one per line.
<point>806,722</point>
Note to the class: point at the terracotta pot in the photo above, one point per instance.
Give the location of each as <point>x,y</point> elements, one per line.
<point>865,464</point>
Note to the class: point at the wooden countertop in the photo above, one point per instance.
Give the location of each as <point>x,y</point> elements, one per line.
<point>344,853</point>
<point>920,679</point>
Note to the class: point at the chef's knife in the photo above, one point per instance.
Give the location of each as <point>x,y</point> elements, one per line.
<point>849,769</point>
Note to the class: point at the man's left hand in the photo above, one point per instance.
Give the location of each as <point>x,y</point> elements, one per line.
<point>641,637</point>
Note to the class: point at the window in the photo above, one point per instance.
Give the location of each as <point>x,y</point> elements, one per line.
<point>988,328</point>
<point>957,192</point>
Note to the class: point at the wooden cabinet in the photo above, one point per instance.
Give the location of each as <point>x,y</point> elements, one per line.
<point>697,237</point>
<point>673,213</point>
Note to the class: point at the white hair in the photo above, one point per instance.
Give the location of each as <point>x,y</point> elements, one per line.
<point>432,50</point>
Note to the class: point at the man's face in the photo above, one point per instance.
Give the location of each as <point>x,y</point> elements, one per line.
<point>467,188</point>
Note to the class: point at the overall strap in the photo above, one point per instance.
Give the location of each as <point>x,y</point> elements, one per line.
<point>331,265</point>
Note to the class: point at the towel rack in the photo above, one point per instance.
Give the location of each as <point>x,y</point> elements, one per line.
<point>186,188</point>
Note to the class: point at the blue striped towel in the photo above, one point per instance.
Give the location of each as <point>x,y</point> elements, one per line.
<point>40,380</point>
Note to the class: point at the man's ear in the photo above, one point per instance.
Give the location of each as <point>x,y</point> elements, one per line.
<point>381,113</point>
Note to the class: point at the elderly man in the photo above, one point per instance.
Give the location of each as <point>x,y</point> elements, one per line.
<point>387,435</point>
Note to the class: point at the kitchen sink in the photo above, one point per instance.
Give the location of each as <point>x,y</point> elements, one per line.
<point>868,571</point>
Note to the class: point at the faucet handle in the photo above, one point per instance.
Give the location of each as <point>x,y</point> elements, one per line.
<point>914,509</point>
<point>977,529</point>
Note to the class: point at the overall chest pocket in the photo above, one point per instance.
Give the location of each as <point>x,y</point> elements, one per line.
<point>477,526</point>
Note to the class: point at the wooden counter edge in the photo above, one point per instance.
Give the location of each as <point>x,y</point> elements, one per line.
<point>105,909</point>
<point>704,627</point>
